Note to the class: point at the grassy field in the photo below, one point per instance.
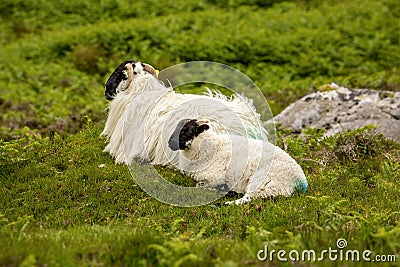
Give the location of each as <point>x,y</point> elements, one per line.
<point>63,202</point>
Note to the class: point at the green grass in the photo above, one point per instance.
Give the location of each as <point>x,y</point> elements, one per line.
<point>61,208</point>
<point>63,202</point>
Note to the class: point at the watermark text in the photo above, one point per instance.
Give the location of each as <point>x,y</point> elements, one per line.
<point>339,253</point>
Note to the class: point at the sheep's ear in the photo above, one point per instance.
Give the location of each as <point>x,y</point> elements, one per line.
<point>115,79</point>
<point>202,125</point>
<point>202,128</point>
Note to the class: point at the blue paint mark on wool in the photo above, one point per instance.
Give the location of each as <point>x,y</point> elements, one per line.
<point>255,132</point>
<point>302,186</point>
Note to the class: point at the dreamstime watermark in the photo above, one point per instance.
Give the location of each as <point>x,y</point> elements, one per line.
<point>340,253</point>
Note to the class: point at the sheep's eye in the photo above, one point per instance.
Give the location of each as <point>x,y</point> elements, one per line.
<point>125,73</point>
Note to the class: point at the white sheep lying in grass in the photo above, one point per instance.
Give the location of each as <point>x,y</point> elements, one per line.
<point>144,114</point>
<point>253,167</point>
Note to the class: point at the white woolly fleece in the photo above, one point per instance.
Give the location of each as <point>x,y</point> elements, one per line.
<point>144,114</point>
<point>253,167</point>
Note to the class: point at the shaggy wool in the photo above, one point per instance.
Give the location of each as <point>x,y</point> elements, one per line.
<point>256,168</point>
<point>145,112</point>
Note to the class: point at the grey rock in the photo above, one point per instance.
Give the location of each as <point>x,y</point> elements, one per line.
<point>341,109</point>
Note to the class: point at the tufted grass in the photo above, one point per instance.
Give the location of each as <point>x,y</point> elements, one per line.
<point>59,206</point>
<point>63,202</point>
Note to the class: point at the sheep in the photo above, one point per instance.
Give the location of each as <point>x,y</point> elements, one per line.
<point>255,168</point>
<point>143,114</point>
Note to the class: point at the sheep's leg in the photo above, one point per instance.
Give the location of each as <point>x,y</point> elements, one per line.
<point>245,199</point>
<point>271,190</point>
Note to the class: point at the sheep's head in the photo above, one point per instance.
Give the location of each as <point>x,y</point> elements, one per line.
<point>185,132</point>
<point>124,74</point>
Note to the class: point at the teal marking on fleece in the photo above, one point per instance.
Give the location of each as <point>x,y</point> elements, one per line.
<point>254,135</point>
<point>302,186</point>
<point>253,132</point>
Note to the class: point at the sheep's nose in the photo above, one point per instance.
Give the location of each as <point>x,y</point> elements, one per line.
<point>173,143</point>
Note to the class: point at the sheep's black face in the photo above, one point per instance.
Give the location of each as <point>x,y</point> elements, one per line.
<point>185,132</point>
<point>119,74</point>
<point>126,70</point>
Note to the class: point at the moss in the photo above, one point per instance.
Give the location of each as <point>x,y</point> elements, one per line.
<point>326,87</point>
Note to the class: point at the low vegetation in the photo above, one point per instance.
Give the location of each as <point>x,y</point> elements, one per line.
<point>63,202</point>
